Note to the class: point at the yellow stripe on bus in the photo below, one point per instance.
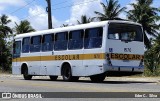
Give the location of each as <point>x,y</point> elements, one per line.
<point>116,56</point>
<point>95,56</point>
<point>61,57</point>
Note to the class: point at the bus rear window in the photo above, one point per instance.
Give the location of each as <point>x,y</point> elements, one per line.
<point>126,32</point>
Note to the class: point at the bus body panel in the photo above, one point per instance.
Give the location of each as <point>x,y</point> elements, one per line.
<point>47,67</point>
<point>125,55</point>
<point>83,62</point>
<point>16,69</point>
<point>120,47</point>
<point>70,56</point>
<point>33,62</point>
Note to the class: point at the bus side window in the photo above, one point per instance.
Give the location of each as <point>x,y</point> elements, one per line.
<point>25,45</point>
<point>93,38</point>
<point>35,44</point>
<point>76,39</point>
<point>47,42</point>
<point>16,49</point>
<point>61,40</point>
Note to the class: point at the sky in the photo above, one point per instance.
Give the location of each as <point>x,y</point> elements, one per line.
<point>63,11</point>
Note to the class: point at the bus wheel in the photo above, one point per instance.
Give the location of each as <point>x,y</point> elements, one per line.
<point>66,73</point>
<point>97,78</point>
<point>53,78</point>
<point>25,74</point>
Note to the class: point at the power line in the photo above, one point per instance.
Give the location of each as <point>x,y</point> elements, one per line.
<point>32,2</point>
<point>22,7</point>
<point>60,3</point>
<point>29,17</point>
<point>73,5</point>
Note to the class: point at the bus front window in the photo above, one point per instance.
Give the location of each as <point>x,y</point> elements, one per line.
<point>126,32</point>
<point>16,49</point>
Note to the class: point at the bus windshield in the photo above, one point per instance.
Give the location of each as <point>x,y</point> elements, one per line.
<point>125,32</point>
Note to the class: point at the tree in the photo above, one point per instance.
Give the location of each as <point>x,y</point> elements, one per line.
<point>23,27</point>
<point>111,11</point>
<point>4,29</point>
<point>145,14</point>
<point>152,56</point>
<point>64,25</point>
<point>5,54</point>
<point>84,20</point>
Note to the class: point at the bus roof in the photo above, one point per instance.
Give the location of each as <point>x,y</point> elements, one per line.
<point>76,27</point>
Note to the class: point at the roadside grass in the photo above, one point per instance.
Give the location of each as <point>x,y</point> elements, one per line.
<point>5,72</point>
<point>148,73</point>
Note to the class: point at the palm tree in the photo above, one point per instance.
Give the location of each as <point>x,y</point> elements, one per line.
<point>84,20</point>
<point>4,29</point>
<point>111,11</point>
<point>146,15</point>
<point>23,27</point>
<point>152,55</point>
<point>5,55</point>
<point>64,25</point>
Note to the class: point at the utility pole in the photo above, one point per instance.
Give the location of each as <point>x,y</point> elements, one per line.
<point>48,9</point>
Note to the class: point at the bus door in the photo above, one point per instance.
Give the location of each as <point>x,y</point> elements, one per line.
<point>125,44</point>
<point>75,47</point>
<point>16,61</point>
<point>47,54</point>
<point>34,57</point>
<point>93,50</point>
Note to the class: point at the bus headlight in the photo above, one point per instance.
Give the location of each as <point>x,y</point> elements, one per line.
<point>108,60</point>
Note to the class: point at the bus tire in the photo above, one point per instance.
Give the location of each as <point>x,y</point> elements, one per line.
<point>53,78</point>
<point>97,78</point>
<point>67,73</point>
<point>25,73</point>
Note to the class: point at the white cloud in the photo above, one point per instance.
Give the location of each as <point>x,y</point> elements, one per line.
<point>39,18</point>
<point>123,16</point>
<point>86,7</point>
<point>2,8</point>
<point>129,7</point>
<point>156,3</point>
<point>13,19</point>
<point>13,2</point>
<point>7,3</point>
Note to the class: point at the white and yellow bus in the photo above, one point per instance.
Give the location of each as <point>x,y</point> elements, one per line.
<point>95,50</point>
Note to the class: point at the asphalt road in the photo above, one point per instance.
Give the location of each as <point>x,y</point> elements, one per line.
<point>13,83</point>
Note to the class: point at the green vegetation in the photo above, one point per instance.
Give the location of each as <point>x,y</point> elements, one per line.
<point>111,10</point>
<point>64,25</point>
<point>5,53</point>
<point>147,16</point>
<point>5,45</point>
<point>85,20</point>
<point>23,27</point>
<point>143,12</point>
